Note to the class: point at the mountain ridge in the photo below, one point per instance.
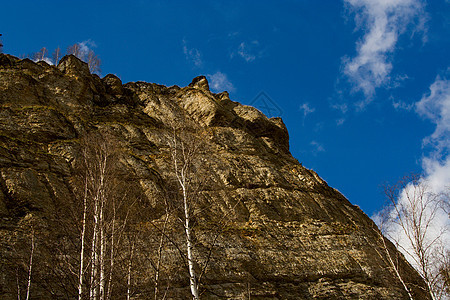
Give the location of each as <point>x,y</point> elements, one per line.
<point>288,236</point>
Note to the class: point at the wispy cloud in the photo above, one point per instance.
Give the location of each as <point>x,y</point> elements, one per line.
<point>342,107</point>
<point>193,55</point>
<point>436,107</point>
<point>402,105</point>
<point>317,147</point>
<point>340,121</point>
<point>244,51</point>
<point>306,109</point>
<point>383,21</point>
<point>219,82</point>
<point>86,46</point>
<point>248,51</point>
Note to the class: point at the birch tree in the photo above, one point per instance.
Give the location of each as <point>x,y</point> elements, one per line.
<point>41,55</point>
<point>25,250</point>
<point>184,151</point>
<point>392,258</point>
<point>30,265</point>
<point>93,62</point>
<point>103,217</point>
<point>413,224</point>
<point>87,55</point>
<point>187,147</point>
<point>75,50</point>
<point>56,55</point>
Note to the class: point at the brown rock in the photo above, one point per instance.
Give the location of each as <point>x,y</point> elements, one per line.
<point>200,82</point>
<point>289,235</point>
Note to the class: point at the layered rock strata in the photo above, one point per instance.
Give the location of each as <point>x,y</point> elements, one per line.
<point>287,235</point>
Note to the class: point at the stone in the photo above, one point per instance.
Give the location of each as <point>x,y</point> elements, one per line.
<point>200,82</point>
<point>72,65</point>
<point>288,234</point>
<point>113,84</point>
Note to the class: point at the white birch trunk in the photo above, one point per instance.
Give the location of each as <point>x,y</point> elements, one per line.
<point>94,258</point>
<point>102,253</point>
<point>30,266</point>
<point>160,249</point>
<point>111,259</point>
<point>102,226</point>
<point>192,275</point>
<point>130,262</point>
<point>182,174</point>
<point>394,266</point>
<point>83,233</point>
<point>18,285</point>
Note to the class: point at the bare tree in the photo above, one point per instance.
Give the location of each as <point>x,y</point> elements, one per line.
<point>192,177</point>
<point>392,258</point>
<point>104,215</point>
<point>183,152</point>
<point>41,55</point>
<point>76,50</point>
<point>132,245</point>
<point>412,216</point>
<point>93,62</point>
<point>82,239</point>
<point>30,265</point>
<point>56,55</point>
<point>86,55</point>
<point>25,249</point>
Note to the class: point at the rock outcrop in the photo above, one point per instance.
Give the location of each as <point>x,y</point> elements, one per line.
<point>288,234</point>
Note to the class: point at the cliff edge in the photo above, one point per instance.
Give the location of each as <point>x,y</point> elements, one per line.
<point>287,234</point>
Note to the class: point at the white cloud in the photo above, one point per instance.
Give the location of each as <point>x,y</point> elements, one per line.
<point>42,55</point>
<point>82,49</point>
<point>245,53</point>
<point>342,107</point>
<point>219,82</point>
<point>46,59</point>
<point>437,174</point>
<point>85,47</point>
<point>436,233</point>
<point>317,147</point>
<point>436,107</point>
<point>306,109</point>
<point>383,21</point>
<point>249,51</point>
<point>193,55</point>
<point>339,122</point>
<point>401,105</point>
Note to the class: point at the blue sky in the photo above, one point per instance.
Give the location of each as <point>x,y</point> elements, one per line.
<point>362,85</point>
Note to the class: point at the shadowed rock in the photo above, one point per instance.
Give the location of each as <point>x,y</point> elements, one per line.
<point>289,234</point>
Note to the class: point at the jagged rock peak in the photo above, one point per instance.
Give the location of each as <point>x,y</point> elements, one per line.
<point>200,82</point>
<point>113,84</point>
<point>72,65</point>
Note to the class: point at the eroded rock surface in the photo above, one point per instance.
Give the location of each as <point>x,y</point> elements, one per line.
<point>291,236</point>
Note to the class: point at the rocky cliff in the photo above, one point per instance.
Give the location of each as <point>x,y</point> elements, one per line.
<point>265,227</point>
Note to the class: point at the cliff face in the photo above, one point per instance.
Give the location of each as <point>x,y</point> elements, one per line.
<point>286,234</point>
